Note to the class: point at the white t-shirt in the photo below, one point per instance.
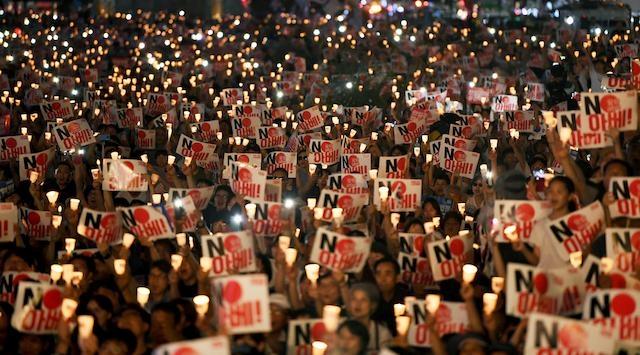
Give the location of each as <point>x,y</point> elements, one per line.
<point>379,336</point>
<point>541,237</point>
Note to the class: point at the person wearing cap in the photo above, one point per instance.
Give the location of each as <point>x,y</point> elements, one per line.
<point>277,338</point>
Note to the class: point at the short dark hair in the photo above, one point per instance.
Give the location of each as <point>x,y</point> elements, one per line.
<point>359,330</point>
<point>387,260</point>
<point>121,335</point>
<point>91,264</point>
<point>22,253</point>
<point>161,265</point>
<point>135,307</point>
<point>624,163</point>
<point>168,307</point>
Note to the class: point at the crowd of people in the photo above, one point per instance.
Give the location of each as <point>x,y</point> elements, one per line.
<point>344,183</point>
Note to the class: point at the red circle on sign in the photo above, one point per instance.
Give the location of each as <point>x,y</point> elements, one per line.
<point>11,142</point>
<point>129,165</point>
<point>402,164</point>
<point>572,336</point>
<point>244,175</point>
<point>141,215</point>
<point>232,243</point>
<point>399,188</point>
<point>348,181</point>
<point>423,266</point>
<point>272,132</point>
<point>418,243</point>
<point>141,134</point>
<point>108,221</point>
<point>577,222</point>
<point>618,281</point>
<point>274,212</point>
<point>243,158</point>
<point>232,291</point>
<point>459,155</point>
<point>41,159</point>
<point>197,147</point>
<point>460,144</point>
<point>18,278</point>
<point>634,188</point>
<point>541,283</point>
<point>623,304</point>
<point>345,202</point>
<point>318,331</point>
<point>346,246</point>
<point>525,212</point>
<point>457,246</point>
<point>160,99</point>
<point>52,299</point>
<point>186,350</point>
<point>306,115</point>
<point>635,240</point>
<point>205,126</point>
<point>74,127</point>
<point>411,126</point>
<point>326,146</point>
<point>246,122</point>
<point>34,218</point>
<point>353,161</point>
<point>609,103</point>
<point>55,106</point>
<point>281,158</point>
<point>247,110</point>
<point>466,132</point>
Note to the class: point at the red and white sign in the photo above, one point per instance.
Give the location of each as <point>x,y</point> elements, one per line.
<point>270,218</point>
<point>502,103</point>
<point>350,203</point>
<point>145,221</point>
<point>576,230</point>
<point>198,151</point>
<point>303,332</point>
<point>463,131</point>
<point>324,151</point>
<point>626,191</point>
<point>557,335</point>
<point>246,127</point>
<point>415,270</point>
<point>282,160</point>
<point>348,183</point>
<point>615,311</point>
<point>270,137</point>
<point>409,132</point>
<point>247,180</point>
<point>393,167</point>
<point>157,104</point>
<point>56,109</point>
<point>478,96</point>
<point>146,138</point>
<point>355,163</point>
<point>99,226</point>
<point>522,214</point>
<point>72,134</point>
<point>623,246</point>
<point>200,195</point>
<point>36,224</point>
<point>35,162</point>
<point>8,222</point>
<point>451,317</point>
<point>522,121</point>
<point>218,345</point>
<point>340,252</point>
<point>626,50</point>
<point>206,131</point>
<point>603,111</point>
<point>243,303</point>
<point>309,119</point>
<point>12,147</point>
<point>125,175</point>
<point>460,143</point>
<point>581,138</point>
<point>458,161</point>
<point>233,252</point>
<point>552,291</point>
<point>404,194</point>
<point>535,92</point>
<point>37,308</point>
<point>448,256</point>
<point>10,280</point>
<point>252,159</point>
<point>231,96</point>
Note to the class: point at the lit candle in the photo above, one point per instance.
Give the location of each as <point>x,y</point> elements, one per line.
<point>469,273</point>
<point>176,261</point>
<point>206,263</point>
<point>68,308</point>
<point>313,272</point>
<point>606,265</point>
<point>331,317</point>
<point>251,210</point>
<point>120,266</point>
<point>284,242</point>
<point>127,240</point>
<point>575,259</point>
<point>384,193</point>
<point>181,239</point>
<point>402,325</point>
<point>201,303</point>
<point>56,272</point>
<point>290,255</point>
<point>142,294</point>
<point>69,245</point>
<point>373,174</point>
<point>85,326</point>
<point>489,300</point>
<point>311,203</point>
<point>432,303</point>
<point>74,203</point>
<point>399,309</point>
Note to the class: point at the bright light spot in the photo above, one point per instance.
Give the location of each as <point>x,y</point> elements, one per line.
<point>205,63</point>
<point>219,34</point>
<point>178,203</point>
<point>181,13</point>
<point>74,92</point>
<point>342,28</point>
<point>141,45</point>
<point>279,94</point>
<point>289,203</point>
<point>316,32</point>
<point>349,85</point>
<point>569,20</point>
<point>237,219</point>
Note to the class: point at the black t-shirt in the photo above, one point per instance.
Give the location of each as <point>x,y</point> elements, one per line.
<point>68,192</point>
<point>384,313</point>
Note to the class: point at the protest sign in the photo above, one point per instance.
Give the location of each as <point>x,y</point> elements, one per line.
<point>340,252</point>
<point>446,257</point>
<point>521,213</point>
<point>623,246</point>
<point>282,160</point>
<point>145,222</point>
<point>576,230</point>
<point>99,226</point>
<point>125,175</point>
<point>36,224</point>
<point>350,203</point>
<point>451,317</point>
<point>232,251</point>
<point>557,335</point>
<point>502,103</point>
<point>12,147</point>
<point>302,332</point>
<point>129,117</point>
<point>37,308</point>
<point>415,270</point>
<point>395,167</point>
<point>355,163</point>
<point>348,183</point>
<point>404,194</point>
<point>626,192</point>
<point>197,151</point>
<point>270,218</point>
<point>271,137</point>
<point>243,303</point>
<point>247,180</point>
<point>458,161</point>
<point>603,111</point>
<point>8,222</point>
<point>325,152</point>
<point>56,109</point>
<point>10,280</point>
<point>309,119</point>
<point>218,345</point>
<point>553,291</point>
<point>73,134</point>
<point>200,195</point>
